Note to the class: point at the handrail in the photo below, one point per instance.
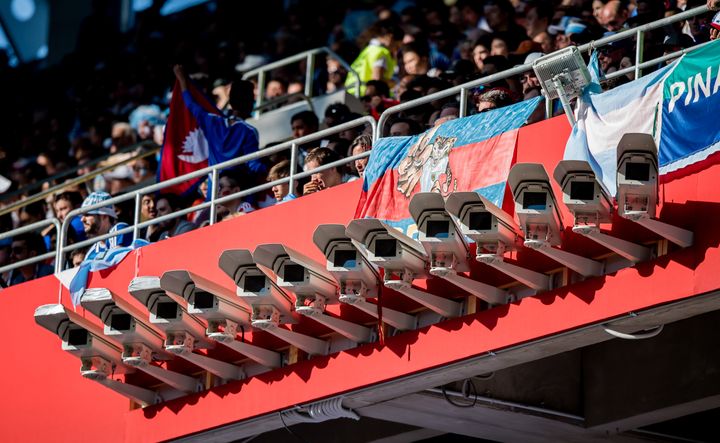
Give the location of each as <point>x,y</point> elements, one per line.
<point>637,68</point>
<point>73,169</point>
<point>29,228</point>
<point>377,127</point>
<point>283,99</point>
<point>309,71</point>
<point>82,179</point>
<point>213,170</point>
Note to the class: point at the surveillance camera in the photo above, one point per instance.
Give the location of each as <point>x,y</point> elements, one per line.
<point>535,205</point>
<point>313,285</point>
<point>124,324</point>
<point>637,176</point>
<point>299,274</point>
<point>99,356</point>
<point>269,302</point>
<point>142,343</point>
<point>356,276</point>
<point>388,248</point>
<point>215,304</point>
<point>637,187</point>
<point>491,228</point>
<point>437,233</point>
<point>183,331</point>
<point>540,219</point>
<point>583,194</point>
<point>398,254</point>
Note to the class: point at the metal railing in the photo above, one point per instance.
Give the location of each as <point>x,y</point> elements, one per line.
<point>638,33</point>
<point>309,58</point>
<point>294,145</point>
<point>23,230</point>
<point>83,178</point>
<point>73,169</point>
<point>213,172</point>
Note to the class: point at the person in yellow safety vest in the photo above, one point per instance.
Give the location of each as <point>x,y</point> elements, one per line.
<point>377,60</point>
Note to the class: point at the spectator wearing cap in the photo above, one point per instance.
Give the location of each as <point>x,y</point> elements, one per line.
<point>715,26</point>
<point>281,192</point>
<point>101,221</point>
<point>327,178</point>
<point>362,143</point>
<point>493,99</point>
<point>530,83</point>
<point>26,246</point>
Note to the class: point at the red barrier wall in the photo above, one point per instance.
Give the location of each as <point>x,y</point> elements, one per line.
<point>47,400</point>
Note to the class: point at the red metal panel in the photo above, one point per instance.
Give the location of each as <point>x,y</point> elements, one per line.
<point>42,384</point>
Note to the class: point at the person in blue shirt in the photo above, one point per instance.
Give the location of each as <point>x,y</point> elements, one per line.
<point>228,136</point>
<point>101,221</point>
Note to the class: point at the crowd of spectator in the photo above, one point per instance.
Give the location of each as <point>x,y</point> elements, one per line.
<point>109,99</point>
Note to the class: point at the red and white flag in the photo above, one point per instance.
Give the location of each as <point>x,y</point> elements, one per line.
<point>185,148</point>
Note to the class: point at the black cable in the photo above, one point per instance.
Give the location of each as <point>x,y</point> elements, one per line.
<point>468,389</point>
<point>242,333</point>
<point>290,430</point>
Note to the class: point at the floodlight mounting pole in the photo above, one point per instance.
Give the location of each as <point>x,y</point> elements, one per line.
<point>179,381</point>
<point>557,82</point>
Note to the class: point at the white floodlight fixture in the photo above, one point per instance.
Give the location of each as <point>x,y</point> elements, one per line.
<point>99,356</point>
<point>271,305</point>
<point>141,342</point>
<point>184,332</point>
<point>591,205</point>
<point>219,307</point>
<point>400,255</point>
<point>563,74</point>
<point>540,218</point>
<point>357,277</point>
<point>314,287</point>
<point>494,231</point>
<point>446,247</point>
<point>637,187</point>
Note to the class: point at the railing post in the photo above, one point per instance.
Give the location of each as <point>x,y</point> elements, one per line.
<point>309,72</point>
<point>213,194</point>
<point>463,102</point>
<point>136,218</point>
<point>293,167</point>
<point>639,48</point>
<point>59,258</point>
<point>260,90</point>
<point>548,107</point>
